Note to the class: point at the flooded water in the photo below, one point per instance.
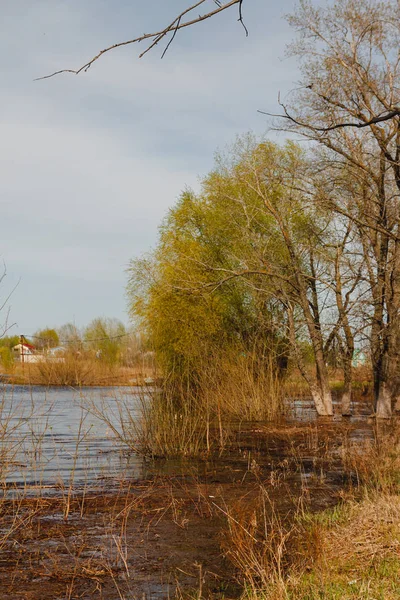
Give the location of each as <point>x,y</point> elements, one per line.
<point>54,436</point>
<point>170,519</point>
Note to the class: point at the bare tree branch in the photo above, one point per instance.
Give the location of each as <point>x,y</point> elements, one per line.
<point>387,116</point>
<point>156,37</point>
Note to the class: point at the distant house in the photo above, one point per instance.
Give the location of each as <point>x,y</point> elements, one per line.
<point>26,353</point>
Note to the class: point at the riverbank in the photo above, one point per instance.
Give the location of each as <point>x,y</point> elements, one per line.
<point>290,510</point>
<point>79,373</point>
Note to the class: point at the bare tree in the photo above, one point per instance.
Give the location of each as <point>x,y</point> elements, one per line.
<point>349,104</point>
<point>167,34</point>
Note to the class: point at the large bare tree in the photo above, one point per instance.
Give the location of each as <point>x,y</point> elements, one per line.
<point>348,103</point>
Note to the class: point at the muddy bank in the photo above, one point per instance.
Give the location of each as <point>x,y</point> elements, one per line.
<point>163,535</point>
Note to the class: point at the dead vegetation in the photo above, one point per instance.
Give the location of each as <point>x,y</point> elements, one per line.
<point>251,521</point>
<point>78,371</point>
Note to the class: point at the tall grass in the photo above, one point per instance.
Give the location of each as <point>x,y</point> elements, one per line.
<point>264,546</point>
<point>189,419</point>
<point>71,370</point>
<point>11,440</point>
<point>244,386</point>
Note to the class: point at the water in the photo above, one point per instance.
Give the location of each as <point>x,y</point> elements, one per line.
<point>54,437</point>
<point>54,442</point>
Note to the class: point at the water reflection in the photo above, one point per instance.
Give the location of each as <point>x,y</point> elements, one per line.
<point>50,436</point>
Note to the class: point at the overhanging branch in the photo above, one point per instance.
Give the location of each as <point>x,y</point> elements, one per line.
<point>156,37</point>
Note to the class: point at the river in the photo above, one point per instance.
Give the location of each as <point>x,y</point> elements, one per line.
<point>53,437</point>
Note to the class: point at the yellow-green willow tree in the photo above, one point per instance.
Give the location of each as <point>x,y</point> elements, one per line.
<point>252,255</point>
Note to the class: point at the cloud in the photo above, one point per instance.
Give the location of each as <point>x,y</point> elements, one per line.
<point>90,164</point>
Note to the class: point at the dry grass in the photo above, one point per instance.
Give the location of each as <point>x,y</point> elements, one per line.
<point>351,552</point>
<point>243,387</point>
<point>78,371</point>
<point>375,464</point>
<point>366,532</point>
<point>183,420</point>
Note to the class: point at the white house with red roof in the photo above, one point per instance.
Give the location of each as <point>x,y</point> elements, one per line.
<point>26,353</point>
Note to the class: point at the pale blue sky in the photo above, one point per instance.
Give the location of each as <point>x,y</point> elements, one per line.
<point>90,164</point>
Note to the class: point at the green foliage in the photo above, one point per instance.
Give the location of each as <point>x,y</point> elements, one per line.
<point>223,270</point>
<point>6,357</point>
<point>46,338</point>
<point>9,341</point>
<point>105,337</point>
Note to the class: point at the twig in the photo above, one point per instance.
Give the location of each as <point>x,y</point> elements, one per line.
<point>240,19</point>
<point>157,36</point>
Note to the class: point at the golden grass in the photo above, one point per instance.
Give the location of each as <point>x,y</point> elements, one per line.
<point>350,552</point>
<point>79,371</point>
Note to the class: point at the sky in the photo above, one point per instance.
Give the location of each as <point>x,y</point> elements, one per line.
<point>90,164</point>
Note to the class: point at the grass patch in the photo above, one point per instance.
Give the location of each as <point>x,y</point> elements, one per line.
<point>350,552</point>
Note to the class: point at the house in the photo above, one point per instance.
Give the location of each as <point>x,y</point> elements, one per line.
<point>26,353</point>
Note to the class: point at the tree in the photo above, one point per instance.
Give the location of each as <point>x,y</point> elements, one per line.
<point>70,336</point>
<point>46,339</point>
<point>348,105</point>
<point>190,317</point>
<point>183,20</point>
<point>104,336</point>
<point>9,341</point>
<point>287,236</point>
<point>254,254</point>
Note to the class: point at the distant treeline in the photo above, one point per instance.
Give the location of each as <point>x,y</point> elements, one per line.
<point>106,339</point>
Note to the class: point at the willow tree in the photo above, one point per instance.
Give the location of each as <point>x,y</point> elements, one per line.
<point>287,236</point>
<point>190,316</point>
<point>252,254</point>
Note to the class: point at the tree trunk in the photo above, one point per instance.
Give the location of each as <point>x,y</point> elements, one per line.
<point>384,402</point>
<point>348,380</point>
<point>320,391</point>
<point>323,401</point>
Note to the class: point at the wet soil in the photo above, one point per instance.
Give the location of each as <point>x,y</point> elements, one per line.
<point>162,535</point>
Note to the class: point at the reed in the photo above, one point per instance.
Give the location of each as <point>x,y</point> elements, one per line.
<point>192,418</point>
<point>245,386</point>
<point>77,371</point>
